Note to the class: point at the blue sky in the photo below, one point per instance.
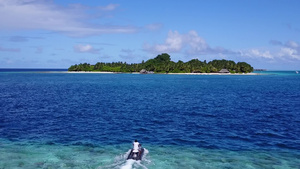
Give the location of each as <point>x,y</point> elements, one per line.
<point>57,34</point>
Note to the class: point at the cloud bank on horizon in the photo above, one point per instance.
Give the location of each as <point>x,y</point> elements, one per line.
<point>56,34</point>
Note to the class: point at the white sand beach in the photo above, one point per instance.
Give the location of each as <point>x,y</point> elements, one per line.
<point>92,72</point>
<point>166,73</point>
<point>214,73</point>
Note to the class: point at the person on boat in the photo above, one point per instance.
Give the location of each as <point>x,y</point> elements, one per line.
<point>136,147</point>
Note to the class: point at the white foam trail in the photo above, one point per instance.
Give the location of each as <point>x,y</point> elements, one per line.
<point>145,154</point>
<point>146,151</point>
<point>122,157</point>
<point>139,163</point>
<point>128,164</point>
<point>119,160</point>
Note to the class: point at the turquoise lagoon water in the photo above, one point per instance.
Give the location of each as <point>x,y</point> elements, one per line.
<point>25,155</point>
<point>60,120</point>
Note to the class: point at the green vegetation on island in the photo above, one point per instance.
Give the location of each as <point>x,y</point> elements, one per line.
<point>163,64</point>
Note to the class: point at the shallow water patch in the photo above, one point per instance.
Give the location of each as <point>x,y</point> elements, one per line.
<point>26,156</point>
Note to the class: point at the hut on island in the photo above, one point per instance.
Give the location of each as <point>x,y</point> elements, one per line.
<point>224,71</point>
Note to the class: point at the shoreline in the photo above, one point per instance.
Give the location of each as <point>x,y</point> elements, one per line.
<point>214,73</point>
<point>92,72</point>
<point>162,73</point>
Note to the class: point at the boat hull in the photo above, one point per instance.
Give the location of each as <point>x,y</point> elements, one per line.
<point>136,156</point>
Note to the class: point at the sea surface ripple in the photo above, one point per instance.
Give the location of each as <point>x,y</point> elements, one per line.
<point>236,113</point>
<point>231,112</point>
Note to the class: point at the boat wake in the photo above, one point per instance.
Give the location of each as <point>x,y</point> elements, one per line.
<point>120,162</point>
<point>130,163</point>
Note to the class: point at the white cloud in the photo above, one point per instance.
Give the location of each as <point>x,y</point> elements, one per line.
<point>285,51</point>
<point>292,44</point>
<point>257,53</point>
<point>45,15</point>
<point>289,53</point>
<point>196,43</point>
<point>109,7</point>
<point>86,49</point>
<point>289,50</point>
<point>175,42</point>
<point>189,43</point>
<point>192,44</point>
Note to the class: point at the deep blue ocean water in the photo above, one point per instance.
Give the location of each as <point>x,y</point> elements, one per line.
<point>67,120</point>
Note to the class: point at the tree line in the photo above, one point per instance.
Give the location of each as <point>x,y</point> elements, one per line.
<point>163,64</point>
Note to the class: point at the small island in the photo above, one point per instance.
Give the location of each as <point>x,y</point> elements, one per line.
<point>163,64</point>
